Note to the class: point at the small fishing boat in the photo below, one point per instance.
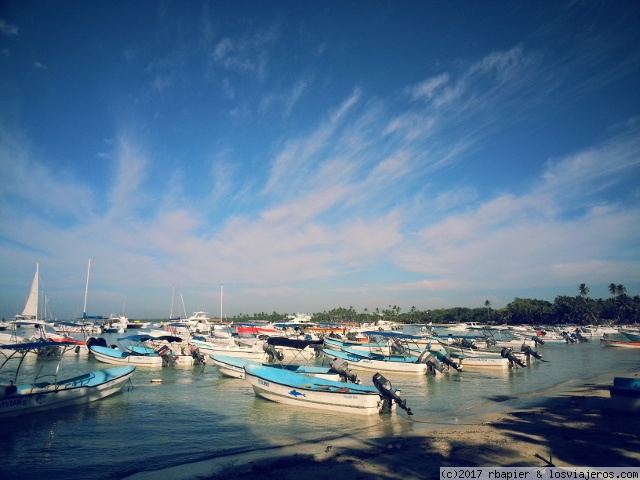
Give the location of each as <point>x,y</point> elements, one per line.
<point>625,394</point>
<point>290,388</point>
<point>408,357</point>
<point>371,361</point>
<point>147,351</point>
<point>234,366</point>
<point>338,344</point>
<point>251,349</point>
<point>619,343</point>
<point>47,391</point>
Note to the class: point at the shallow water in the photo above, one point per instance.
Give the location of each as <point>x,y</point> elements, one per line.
<point>195,414</point>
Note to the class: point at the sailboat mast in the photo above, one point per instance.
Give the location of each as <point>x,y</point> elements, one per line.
<point>37,282</point>
<point>221,288</point>
<point>173,289</point>
<point>86,290</point>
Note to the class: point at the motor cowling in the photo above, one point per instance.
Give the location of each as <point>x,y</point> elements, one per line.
<point>530,352</point>
<point>341,367</point>
<point>513,360</point>
<point>389,394</point>
<point>537,340</point>
<point>272,352</point>
<point>167,356</point>
<point>396,347</point>
<point>198,358</point>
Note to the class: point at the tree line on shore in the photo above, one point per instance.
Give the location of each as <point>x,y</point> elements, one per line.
<point>619,309</point>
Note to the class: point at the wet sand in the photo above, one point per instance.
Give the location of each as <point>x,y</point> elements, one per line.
<point>570,425</point>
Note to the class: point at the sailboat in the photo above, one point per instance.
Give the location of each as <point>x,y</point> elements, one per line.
<point>30,311</point>
<point>86,292</point>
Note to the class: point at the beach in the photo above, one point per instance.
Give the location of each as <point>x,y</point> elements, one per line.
<point>569,425</point>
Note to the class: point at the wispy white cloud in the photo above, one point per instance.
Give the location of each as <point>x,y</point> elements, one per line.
<point>526,240</point>
<point>247,54</point>
<point>8,28</point>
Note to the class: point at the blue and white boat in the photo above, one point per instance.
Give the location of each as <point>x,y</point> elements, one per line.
<point>408,359</point>
<point>147,351</point>
<point>47,391</point>
<point>234,366</point>
<point>283,386</point>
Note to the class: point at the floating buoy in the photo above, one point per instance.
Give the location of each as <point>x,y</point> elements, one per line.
<point>156,380</point>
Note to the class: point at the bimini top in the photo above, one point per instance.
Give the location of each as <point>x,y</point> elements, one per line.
<point>29,345</point>
<point>144,338</point>
<point>393,334</point>
<point>292,342</point>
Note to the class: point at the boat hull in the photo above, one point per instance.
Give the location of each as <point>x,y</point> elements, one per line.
<point>234,367</point>
<point>620,344</point>
<point>74,391</point>
<point>298,390</point>
<point>482,362</point>
<point>120,357</point>
<point>356,362</point>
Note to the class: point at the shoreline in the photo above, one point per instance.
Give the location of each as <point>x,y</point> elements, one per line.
<point>570,424</point>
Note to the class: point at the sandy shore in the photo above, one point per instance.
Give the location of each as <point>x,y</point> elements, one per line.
<point>570,425</point>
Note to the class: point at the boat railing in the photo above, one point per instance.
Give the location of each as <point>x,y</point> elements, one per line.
<point>47,353</point>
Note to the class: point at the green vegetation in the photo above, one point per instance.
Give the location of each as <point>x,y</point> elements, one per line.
<point>582,310</point>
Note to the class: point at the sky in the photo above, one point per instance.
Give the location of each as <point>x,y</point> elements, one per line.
<point>316,155</point>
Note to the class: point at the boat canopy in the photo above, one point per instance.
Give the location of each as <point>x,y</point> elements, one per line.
<point>71,324</point>
<point>35,323</point>
<point>292,342</point>
<point>144,338</point>
<point>30,345</point>
<point>393,335</point>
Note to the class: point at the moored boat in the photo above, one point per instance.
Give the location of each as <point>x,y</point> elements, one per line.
<point>234,367</point>
<point>283,386</point>
<point>46,391</point>
<point>619,343</point>
<point>147,351</point>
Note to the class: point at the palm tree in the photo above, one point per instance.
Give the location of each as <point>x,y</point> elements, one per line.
<point>613,290</point>
<point>620,289</point>
<point>584,290</point>
<point>487,304</point>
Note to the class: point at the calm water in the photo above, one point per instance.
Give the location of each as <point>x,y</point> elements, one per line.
<point>195,414</point>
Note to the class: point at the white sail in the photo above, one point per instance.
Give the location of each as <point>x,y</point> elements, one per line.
<point>31,307</point>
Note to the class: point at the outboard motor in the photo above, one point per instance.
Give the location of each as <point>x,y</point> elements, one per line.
<point>352,336</point>
<point>389,395</point>
<point>537,340</point>
<point>167,356</point>
<point>433,365</point>
<point>580,337</point>
<point>340,366</point>
<point>198,358</point>
<point>441,356</point>
<point>272,353</point>
<point>513,360</point>
<point>396,348</point>
<point>530,352</point>
<point>99,342</point>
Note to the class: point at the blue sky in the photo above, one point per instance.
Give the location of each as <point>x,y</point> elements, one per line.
<point>313,155</point>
